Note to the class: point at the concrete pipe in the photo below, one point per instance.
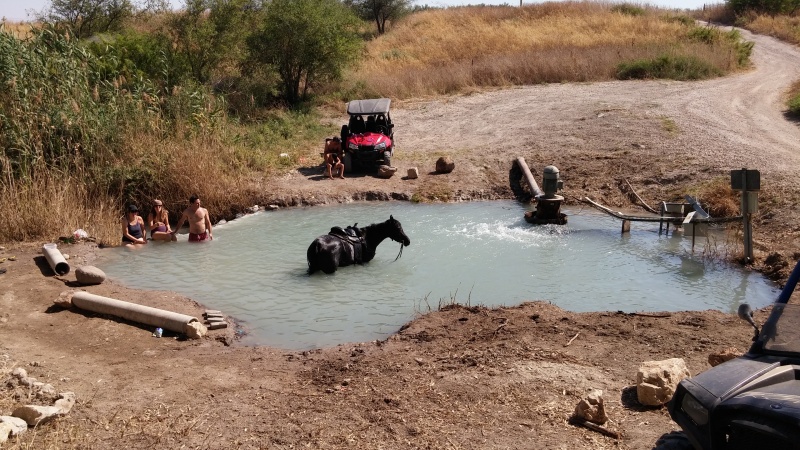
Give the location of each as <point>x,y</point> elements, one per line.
<point>168,320</point>
<point>55,259</point>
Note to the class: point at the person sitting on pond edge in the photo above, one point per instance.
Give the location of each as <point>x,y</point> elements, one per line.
<point>333,157</point>
<point>199,221</point>
<point>133,231</point>
<point>158,222</point>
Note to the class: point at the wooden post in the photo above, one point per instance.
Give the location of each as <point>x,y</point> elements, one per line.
<point>626,226</point>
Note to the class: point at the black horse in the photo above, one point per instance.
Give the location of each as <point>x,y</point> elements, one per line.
<point>352,246</point>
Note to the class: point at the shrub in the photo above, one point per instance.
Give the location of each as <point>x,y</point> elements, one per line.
<point>794,105</point>
<point>667,66</point>
<point>628,9</point>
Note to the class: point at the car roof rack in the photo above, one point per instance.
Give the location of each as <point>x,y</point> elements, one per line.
<point>369,106</point>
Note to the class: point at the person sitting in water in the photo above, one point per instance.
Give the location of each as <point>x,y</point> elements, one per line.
<point>133,231</point>
<point>158,222</point>
<point>333,157</point>
<point>199,221</point>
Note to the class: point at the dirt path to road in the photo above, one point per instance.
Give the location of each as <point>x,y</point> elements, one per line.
<point>462,378</point>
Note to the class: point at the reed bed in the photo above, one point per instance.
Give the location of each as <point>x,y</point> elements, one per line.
<point>446,51</point>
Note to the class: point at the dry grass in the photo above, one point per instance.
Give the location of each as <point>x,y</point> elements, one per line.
<point>785,28</point>
<point>445,51</point>
<point>50,206</point>
<point>719,198</point>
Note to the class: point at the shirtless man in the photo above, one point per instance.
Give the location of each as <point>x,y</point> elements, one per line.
<point>333,157</point>
<point>199,221</point>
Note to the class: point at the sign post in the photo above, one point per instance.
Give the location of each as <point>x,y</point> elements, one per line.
<point>747,181</point>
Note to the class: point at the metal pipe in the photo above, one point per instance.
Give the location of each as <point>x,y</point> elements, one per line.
<point>167,320</point>
<point>55,259</point>
<point>526,172</point>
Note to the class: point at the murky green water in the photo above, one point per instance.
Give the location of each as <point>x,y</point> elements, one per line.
<point>478,253</point>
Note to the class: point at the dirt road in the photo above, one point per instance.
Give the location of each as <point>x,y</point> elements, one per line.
<point>462,378</point>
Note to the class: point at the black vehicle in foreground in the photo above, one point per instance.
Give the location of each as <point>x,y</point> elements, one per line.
<point>751,402</point>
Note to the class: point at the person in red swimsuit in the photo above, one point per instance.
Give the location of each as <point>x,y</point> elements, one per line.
<point>199,221</point>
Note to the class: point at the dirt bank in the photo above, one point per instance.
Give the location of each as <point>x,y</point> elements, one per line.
<point>459,378</point>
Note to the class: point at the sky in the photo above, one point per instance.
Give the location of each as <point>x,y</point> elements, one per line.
<point>17,10</point>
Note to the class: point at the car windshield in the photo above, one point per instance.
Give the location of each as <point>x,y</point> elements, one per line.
<point>784,335</point>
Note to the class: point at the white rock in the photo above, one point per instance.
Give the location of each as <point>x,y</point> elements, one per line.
<point>66,402</point>
<point>592,408</point>
<point>89,275</point>
<point>656,380</point>
<point>5,431</point>
<point>20,373</point>
<point>271,207</point>
<point>15,424</point>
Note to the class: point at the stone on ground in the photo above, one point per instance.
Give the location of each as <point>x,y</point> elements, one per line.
<point>591,408</point>
<point>656,380</point>
<point>445,164</point>
<point>89,275</point>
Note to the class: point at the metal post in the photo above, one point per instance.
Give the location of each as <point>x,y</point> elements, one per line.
<point>746,228</point>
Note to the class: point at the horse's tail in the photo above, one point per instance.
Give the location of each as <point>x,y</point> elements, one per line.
<point>312,255</point>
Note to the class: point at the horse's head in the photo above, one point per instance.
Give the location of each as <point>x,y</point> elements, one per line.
<point>396,232</point>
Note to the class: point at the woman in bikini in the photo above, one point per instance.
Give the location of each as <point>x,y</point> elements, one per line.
<point>158,222</point>
<point>133,231</point>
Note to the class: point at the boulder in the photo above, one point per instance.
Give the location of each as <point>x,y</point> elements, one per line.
<point>656,380</point>
<point>89,275</point>
<point>413,173</point>
<point>386,171</point>
<point>445,164</point>
<point>591,408</point>
<point>728,354</point>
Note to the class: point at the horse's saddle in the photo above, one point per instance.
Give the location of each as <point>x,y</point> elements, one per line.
<point>353,236</point>
<point>351,233</point>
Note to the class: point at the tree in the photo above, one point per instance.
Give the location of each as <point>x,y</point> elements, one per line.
<point>88,17</point>
<point>381,11</point>
<point>306,42</point>
<point>209,33</point>
<point>771,7</point>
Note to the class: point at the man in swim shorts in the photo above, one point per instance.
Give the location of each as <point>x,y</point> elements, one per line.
<point>199,221</point>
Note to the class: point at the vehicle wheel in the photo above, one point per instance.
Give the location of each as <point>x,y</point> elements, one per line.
<point>675,440</point>
<point>348,162</point>
<point>387,159</point>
